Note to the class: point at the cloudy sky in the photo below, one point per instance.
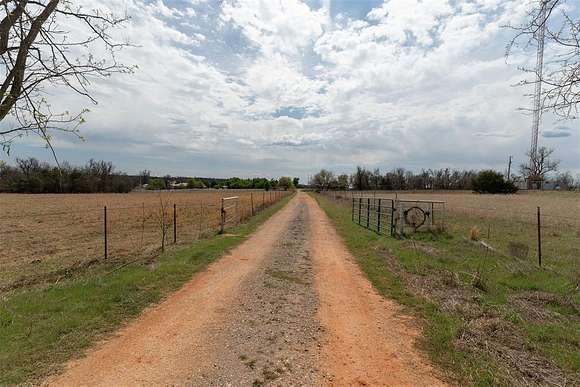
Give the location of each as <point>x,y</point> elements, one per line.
<point>286,87</point>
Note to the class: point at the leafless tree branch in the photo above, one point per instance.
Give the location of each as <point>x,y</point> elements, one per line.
<point>38,51</point>
<point>561,78</point>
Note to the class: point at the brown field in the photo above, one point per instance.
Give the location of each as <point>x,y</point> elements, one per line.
<point>557,208</point>
<point>48,236</point>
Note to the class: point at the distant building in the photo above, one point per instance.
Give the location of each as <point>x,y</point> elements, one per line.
<point>177,185</point>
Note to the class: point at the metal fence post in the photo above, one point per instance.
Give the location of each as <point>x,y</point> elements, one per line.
<point>105,230</point>
<point>222,217</point>
<point>392,217</point>
<point>368,212</point>
<point>379,217</point>
<point>539,240</point>
<point>174,223</point>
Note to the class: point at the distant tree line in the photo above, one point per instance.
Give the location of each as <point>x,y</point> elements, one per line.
<point>32,176</point>
<point>427,179</point>
<point>397,179</point>
<point>168,182</point>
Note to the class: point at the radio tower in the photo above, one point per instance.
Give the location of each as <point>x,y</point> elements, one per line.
<point>533,179</point>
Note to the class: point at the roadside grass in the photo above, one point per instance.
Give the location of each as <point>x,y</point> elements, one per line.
<point>470,298</point>
<point>40,329</point>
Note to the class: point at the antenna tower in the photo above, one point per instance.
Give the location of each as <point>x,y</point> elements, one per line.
<point>537,109</point>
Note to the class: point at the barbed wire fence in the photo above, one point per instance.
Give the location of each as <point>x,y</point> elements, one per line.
<point>49,243</point>
<point>532,235</point>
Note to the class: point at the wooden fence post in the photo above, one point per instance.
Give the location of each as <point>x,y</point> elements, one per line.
<point>252,202</point>
<point>105,230</point>
<point>200,219</point>
<point>359,209</point>
<point>174,223</point>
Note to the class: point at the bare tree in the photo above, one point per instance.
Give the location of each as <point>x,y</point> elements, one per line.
<point>561,79</point>
<point>163,220</point>
<point>565,181</point>
<point>38,50</point>
<point>323,180</point>
<point>540,165</point>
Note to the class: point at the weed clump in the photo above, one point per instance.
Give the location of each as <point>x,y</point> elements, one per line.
<point>518,249</point>
<point>450,279</point>
<point>480,282</point>
<point>474,233</point>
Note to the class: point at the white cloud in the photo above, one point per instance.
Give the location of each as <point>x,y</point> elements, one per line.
<point>415,83</point>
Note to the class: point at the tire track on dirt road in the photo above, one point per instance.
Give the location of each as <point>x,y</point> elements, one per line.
<point>272,333</point>
<point>368,340</point>
<point>287,307</point>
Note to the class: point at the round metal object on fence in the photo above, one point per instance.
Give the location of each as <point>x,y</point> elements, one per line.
<point>415,217</point>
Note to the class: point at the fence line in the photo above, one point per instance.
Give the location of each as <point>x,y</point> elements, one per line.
<point>531,214</point>
<point>556,242</point>
<point>34,244</point>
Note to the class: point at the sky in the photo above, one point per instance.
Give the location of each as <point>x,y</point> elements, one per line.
<point>286,87</point>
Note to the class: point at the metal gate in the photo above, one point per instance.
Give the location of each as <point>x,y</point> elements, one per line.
<point>397,217</point>
<point>375,214</point>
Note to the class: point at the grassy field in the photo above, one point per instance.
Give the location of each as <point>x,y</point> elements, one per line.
<point>47,237</point>
<point>41,328</point>
<point>490,318</point>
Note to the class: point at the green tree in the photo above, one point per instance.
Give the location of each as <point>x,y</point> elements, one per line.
<point>195,183</point>
<point>286,183</point>
<point>155,184</point>
<point>342,181</point>
<point>492,182</point>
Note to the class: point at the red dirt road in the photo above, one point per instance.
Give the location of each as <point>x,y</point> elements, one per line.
<point>368,341</point>
<point>288,306</point>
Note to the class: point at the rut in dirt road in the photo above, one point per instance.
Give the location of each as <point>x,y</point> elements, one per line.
<point>271,333</point>
<point>289,306</point>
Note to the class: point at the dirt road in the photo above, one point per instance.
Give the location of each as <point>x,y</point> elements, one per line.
<point>287,307</point>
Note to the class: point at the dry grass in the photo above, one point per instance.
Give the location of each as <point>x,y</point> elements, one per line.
<point>474,233</point>
<point>505,221</point>
<point>558,208</point>
<point>51,234</point>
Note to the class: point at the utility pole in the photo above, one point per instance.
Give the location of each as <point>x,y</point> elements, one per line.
<point>509,168</point>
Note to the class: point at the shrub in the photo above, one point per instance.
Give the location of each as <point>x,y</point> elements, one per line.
<point>492,182</point>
